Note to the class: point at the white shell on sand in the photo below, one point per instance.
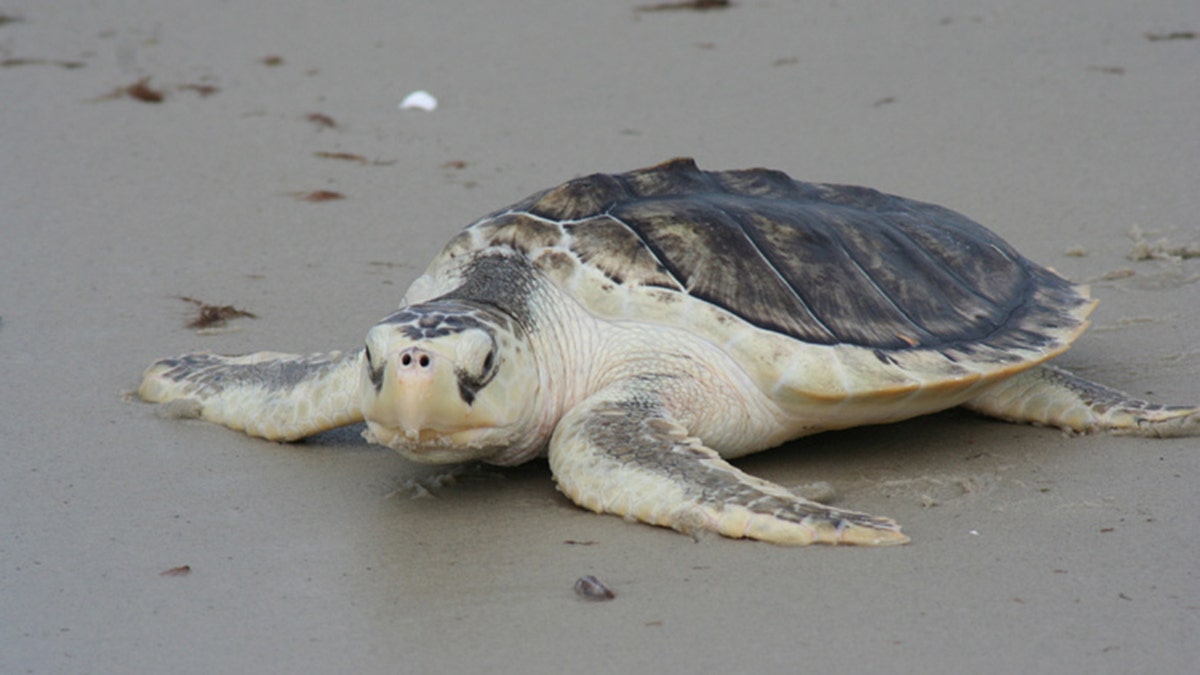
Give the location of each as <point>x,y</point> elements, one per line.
<point>419,100</point>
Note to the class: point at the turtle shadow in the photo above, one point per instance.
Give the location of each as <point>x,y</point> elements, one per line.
<point>928,460</point>
<point>931,459</point>
<point>947,437</point>
<point>349,437</point>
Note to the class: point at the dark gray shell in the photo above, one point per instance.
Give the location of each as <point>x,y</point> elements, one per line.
<point>824,264</point>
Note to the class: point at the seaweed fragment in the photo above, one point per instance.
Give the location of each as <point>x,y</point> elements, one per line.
<point>142,91</point>
<point>322,120</point>
<point>213,316</point>
<point>317,196</point>
<point>1173,35</point>
<point>692,5</point>
<point>15,61</point>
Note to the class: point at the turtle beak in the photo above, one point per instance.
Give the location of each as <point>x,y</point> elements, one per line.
<point>415,382</point>
<point>420,393</point>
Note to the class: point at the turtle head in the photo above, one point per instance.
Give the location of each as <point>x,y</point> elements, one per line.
<point>449,381</point>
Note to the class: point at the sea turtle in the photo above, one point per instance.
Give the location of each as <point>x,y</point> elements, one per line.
<point>640,329</point>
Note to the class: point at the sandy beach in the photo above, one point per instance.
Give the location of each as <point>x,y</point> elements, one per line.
<point>157,156</point>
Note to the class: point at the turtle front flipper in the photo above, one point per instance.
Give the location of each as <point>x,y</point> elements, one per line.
<point>618,452</point>
<point>1053,397</point>
<point>281,397</point>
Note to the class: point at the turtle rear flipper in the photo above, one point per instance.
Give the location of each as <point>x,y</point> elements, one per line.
<point>281,397</point>
<point>1054,397</point>
<point>619,453</point>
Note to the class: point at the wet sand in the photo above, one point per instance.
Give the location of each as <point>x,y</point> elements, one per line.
<point>132,543</point>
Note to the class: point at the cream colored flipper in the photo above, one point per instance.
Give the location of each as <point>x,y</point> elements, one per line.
<point>282,397</point>
<point>1053,397</point>
<point>618,452</point>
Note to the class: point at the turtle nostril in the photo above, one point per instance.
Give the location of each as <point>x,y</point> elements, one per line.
<point>415,357</point>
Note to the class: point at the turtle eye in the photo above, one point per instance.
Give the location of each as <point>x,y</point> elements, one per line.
<point>367,353</point>
<point>489,360</point>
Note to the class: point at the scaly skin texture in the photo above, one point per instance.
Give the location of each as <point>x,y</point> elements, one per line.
<point>629,447</point>
<point>281,397</point>
<point>618,452</point>
<point>1051,396</point>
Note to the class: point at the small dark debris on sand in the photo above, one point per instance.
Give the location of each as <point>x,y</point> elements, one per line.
<point>353,157</point>
<point>1173,35</point>
<point>322,120</point>
<point>141,91</point>
<point>589,587</point>
<point>345,156</point>
<point>138,91</point>
<point>204,90</point>
<point>317,196</point>
<point>693,5</point>
<point>180,571</point>
<point>61,63</point>
<point>271,60</point>
<point>213,316</point>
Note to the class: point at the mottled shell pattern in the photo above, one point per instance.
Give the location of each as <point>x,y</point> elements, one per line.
<point>827,295</point>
